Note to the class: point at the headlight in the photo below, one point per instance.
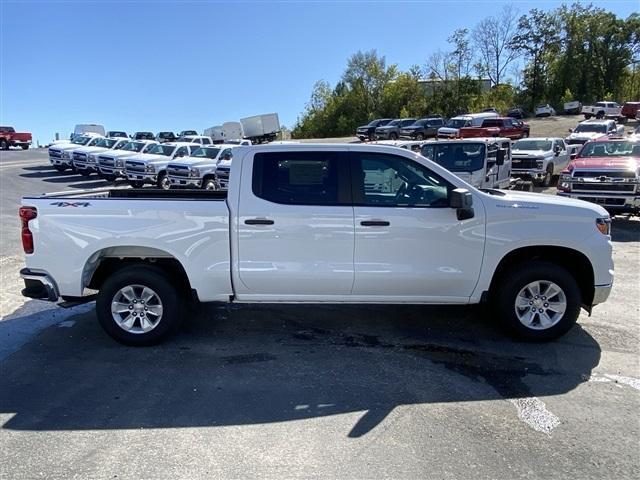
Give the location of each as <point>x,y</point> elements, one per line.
<point>149,168</point>
<point>540,163</point>
<point>565,177</point>
<point>194,172</point>
<point>603,224</point>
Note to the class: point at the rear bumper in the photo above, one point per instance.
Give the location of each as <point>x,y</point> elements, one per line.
<point>39,285</point>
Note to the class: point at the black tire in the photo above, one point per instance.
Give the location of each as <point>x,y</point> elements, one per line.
<point>4,145</point>
<point>372,137</point>
<point>209,184</point>
<point>60,168</point>
<point>85,173</point>
<point>393,136</point>
<point>420,136</point>
<point>163,182</point>
<point>109,178</point>
<point>600,115</point>
<point>546,181</point>
<point>509,286</point>
<point>587,116</point>
<point>146,276</point>
<point>25,147</point>
<point>136,183</point>
<point>525,135</point>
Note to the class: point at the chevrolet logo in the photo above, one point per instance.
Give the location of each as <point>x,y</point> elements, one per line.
<point>603,178</point>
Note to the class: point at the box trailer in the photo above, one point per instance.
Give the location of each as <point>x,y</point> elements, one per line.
<point>261,128</point>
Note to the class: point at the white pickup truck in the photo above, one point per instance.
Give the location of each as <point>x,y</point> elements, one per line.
<point>314,223</point>
<point>603,110</point>
<point>151,166</point>
<point>199,169</point>
<point>61,154</point>
<point>539,159</point>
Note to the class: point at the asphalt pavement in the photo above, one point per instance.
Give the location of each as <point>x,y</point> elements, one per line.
<point>330,391</point>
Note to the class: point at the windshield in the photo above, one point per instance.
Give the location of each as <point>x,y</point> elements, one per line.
<point>394,123</point>
<point>144,136</point>
<point>188,132</point>
<point>117,134</point>
<point>610,149</point>
<point>419,123</point>
<point>81,140</point>
<point>165,150</point>
<point>105,142</point>
<point>457,123</point>
<point>591,128</point>
<point>206,153</point>
<point>544,145</point>
<point>166,135</point>
<point>133,146</point>
<point>456,158</point>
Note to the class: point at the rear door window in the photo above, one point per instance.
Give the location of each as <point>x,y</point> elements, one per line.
<point>301,178</point>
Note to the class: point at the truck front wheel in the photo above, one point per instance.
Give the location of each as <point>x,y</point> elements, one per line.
<point>587,116</point>
<point>537,301</point>
<point>209,184</point>
<point>138,306</point>
<point>163,182</point>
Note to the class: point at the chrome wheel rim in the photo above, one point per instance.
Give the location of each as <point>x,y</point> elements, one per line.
<point>540,305</point>
<point>136,309</point>
<point>210,186</point>
<point>165,184</point>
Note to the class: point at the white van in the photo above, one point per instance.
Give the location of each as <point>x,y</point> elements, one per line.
<point>83,128</point>
<point>452,127</point>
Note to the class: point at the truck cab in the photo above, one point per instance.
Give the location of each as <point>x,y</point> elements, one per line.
<point>593,129</point>
<point>151,166</point>
<point>481,162</point>
<point>199,169</point>
<point>85,160</point>
<point>61,154</point>
<point>539,159</point>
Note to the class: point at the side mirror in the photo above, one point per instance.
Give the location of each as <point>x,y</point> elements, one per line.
<point>571,130</point>
<point>557,150</point>
<point>500,156</point>
<point>462,200</point>
<point>573,155</point>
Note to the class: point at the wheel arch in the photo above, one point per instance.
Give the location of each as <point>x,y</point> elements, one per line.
<point>107,261</point>
<point>575,262</point>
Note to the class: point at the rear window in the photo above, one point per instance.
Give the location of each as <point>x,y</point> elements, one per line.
<point>297,178</point>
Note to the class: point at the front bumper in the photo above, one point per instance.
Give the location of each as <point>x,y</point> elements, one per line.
<point>60,161</point>
<point>618,203</point>
<point>185,182</point>
<point>82,166</point>
<point>534,173</point>
<point>111,171</point>
<point>383,135</point>
<point>601,293</point>
<point>142,177</point>
<point>39,285</point>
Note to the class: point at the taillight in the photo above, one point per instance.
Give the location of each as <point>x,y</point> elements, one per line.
<point>26,214</point>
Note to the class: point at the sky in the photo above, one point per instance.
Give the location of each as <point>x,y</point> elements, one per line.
<point>178,65</point>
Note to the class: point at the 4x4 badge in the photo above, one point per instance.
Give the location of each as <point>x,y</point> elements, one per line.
<point>71,204</point>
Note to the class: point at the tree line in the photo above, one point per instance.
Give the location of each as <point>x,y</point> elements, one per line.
<point>575,52</point>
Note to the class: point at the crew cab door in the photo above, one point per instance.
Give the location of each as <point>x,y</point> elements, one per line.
<point>561,160</point>
<point>295,231</point>
<point>410,246</point>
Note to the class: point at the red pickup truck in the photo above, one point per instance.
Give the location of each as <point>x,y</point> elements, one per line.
<point>10,138</point>
<point>497,127</point>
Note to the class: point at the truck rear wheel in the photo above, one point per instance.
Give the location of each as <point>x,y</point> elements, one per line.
<point>25,146</point>
<point>139,306</point>
<point>587,116</point>
<point>537,301</point>
<point>4,145</point>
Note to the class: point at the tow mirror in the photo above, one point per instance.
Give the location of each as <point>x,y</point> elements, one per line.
<point>462,200</point>
<point>500,156</point>
<point>557,149</point>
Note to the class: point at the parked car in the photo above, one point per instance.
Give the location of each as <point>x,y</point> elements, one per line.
<point>603,110</point>
<point>116,134</point>
<point>151,166</point>
<point>592,129</point>
<point>497,127</point>
<point>516,112</point>
<point>198,170</point>
<point>201,139</point>
<point>185,133</point>
<point>85,160</point>
<point>84,128</point>
<point>299,224</point>
<point>61,154</point>
<point>606,172</point>
<point>545,110</point>
<point>483,163</point>
<point>10,138</point>
<point>111,163</point>
<point>391,131</point>
<point>260,128</point>
<point>422,128</point>
<point>164,137</point>
<point>452,127</point>
<point>368,131</point>
<point>630,110</point>
<point>539,159</point>
<point>143,136</point>
<point>572,108</point>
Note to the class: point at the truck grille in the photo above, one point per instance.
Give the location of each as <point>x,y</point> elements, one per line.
<point>611,202</point>
<point>604,187</point>
<point>106,161</point>
<point>222,173</point>
<point>178,170</point>
<point>577,141</point>
<point>135,166</point>
<point>524,163</point>
<point>80,157</point>
<point>604,173</point>
<point>55,153</point>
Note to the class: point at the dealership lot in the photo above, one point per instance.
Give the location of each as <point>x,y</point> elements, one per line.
<point>331,391</point>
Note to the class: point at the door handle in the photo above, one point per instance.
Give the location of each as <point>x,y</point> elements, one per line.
<point>375,223</point>
<point>258,221</point>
